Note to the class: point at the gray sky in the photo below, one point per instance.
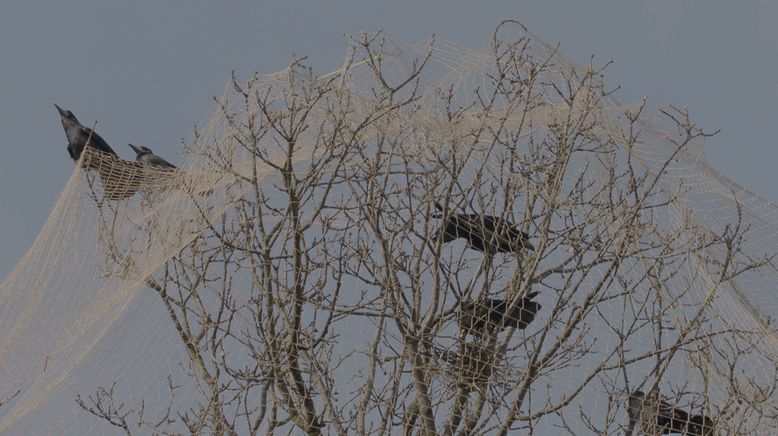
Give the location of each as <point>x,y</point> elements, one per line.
<point>147,70</point>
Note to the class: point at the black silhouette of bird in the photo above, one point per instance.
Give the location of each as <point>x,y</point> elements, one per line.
<point>654,416</point>
<point>144,155</point>
<point>475,315</point>
<point>485,233</point>
<point>80,136</point>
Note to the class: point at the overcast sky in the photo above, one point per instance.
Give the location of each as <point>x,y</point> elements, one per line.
<point>146,71</point>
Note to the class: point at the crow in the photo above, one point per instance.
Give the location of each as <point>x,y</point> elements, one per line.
<point>80,136</point>
<point>655,416</point>
<point>485,233</point>
<point>144,155</point>
<point>475,315</point>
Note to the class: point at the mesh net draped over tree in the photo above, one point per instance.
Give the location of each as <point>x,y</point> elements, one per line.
<point>291,276</point>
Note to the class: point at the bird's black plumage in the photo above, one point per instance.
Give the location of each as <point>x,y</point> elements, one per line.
<point>485,233</point>
<point>144,155</point>
<point>80,136</point>
<point>655,416</point>
<point>475,315</point>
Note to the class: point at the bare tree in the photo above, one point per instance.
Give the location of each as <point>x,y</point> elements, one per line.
<point>325,300</point>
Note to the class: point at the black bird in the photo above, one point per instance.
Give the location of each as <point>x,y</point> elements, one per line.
<point>655,416</point>
<point>80,136</point>
<point>146,156</point>
<point>475,315</point>
<point>485,233</point>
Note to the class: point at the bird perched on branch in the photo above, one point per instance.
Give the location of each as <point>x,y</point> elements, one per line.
<point>486,233</point>
<point>654,416</point>
<point>80,136</point>
<point>475,315</point>
<point>144,155</point>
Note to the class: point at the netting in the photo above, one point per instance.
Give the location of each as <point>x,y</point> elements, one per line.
<point>295,256</point>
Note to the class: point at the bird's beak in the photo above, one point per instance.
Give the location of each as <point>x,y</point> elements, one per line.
<point>134,148</point>
<point>60,110</point>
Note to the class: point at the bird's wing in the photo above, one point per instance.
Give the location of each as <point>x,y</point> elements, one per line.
<point>488,221</point>
<point>451,231</point>
<point>73,152</point>
<point>478,225</point>
<point>500,225</point>
<point>98,142</point>
<point>504,229</point>
<point>158,161</point>
<point>516,233</point>
<point>497,305</point>
<point>514,230</point>
<point>666,415</point>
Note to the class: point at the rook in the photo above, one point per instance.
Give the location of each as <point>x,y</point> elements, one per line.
<point>485,233</point>
<point>475,315</point>
<point>144,155</point>
<point>80,136</point>
<point>654,416</point>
